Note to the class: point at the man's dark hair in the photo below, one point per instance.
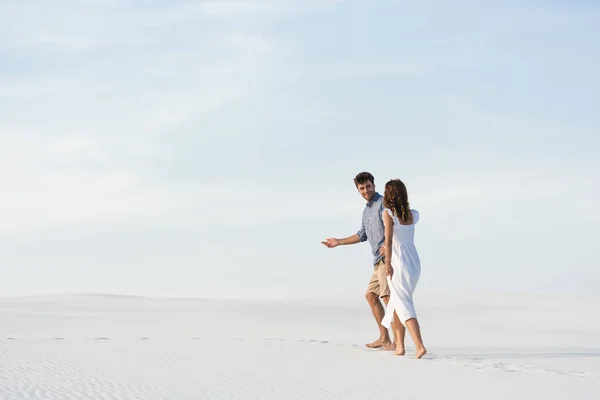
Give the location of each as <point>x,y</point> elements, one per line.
<point>363,178</point>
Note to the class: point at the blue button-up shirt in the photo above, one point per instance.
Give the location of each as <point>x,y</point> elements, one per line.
<point>372,228</point>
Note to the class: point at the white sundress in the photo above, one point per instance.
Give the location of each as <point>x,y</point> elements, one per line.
<point>407,270</point>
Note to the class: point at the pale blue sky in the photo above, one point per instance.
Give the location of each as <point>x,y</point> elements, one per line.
<point>204,148</point>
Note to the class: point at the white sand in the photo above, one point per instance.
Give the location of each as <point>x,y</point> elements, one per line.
<point>118,347</point>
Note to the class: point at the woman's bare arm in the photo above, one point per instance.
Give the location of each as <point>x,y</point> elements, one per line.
<point>388,223</point>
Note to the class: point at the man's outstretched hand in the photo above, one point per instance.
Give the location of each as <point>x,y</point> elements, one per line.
<point>331,242</point>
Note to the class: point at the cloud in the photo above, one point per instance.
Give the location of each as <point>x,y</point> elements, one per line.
<point>99,96</point>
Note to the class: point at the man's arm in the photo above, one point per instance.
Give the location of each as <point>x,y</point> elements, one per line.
<point>358,237</point>
<point>333,242</point>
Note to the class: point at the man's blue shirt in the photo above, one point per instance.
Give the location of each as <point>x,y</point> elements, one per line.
<point>372,228</point>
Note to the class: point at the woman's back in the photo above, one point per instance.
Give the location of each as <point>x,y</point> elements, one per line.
<point>404,233</point>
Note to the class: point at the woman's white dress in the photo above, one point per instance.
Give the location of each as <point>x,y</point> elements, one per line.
<point>407,270</point>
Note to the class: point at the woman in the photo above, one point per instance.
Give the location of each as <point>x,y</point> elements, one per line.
<point>403,266</point>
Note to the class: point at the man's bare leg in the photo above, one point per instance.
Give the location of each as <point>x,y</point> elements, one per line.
<point>399,333</point>
<point>378,313</point>
<point>415,332</point>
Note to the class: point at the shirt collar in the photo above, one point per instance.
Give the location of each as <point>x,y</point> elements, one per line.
<point>376,197</point>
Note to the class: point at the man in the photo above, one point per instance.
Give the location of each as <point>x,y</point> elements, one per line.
<point>371,229</point>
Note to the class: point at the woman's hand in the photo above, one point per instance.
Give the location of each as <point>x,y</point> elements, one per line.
<point>389,270</point>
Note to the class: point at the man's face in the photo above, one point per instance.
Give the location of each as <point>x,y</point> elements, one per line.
<point>366,190</point>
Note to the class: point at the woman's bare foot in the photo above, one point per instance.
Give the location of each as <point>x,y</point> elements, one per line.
<point>421,351</point>
<point>399,349</point>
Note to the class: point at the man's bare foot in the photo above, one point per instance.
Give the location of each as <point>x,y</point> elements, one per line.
<point>421,352</point>
<point>399,349</point>
<point>377,344</point>
<point>389,346</point>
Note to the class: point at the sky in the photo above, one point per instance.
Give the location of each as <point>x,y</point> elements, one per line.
<point>205,148</point>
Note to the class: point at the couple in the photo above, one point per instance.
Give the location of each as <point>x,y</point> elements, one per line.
<point>388,223</point>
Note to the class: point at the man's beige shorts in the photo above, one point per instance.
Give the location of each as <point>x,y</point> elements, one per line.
<point>378,283</point>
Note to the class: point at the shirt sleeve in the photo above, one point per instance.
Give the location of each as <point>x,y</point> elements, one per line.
<point>362,234</point>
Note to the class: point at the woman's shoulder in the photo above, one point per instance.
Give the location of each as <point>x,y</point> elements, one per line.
<point>415,214</point>
<point>386,210</point>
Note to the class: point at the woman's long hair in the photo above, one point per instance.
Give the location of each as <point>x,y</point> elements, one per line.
<point>396,199</point>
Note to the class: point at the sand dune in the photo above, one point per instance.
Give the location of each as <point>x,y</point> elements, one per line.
<point>123,347</point>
